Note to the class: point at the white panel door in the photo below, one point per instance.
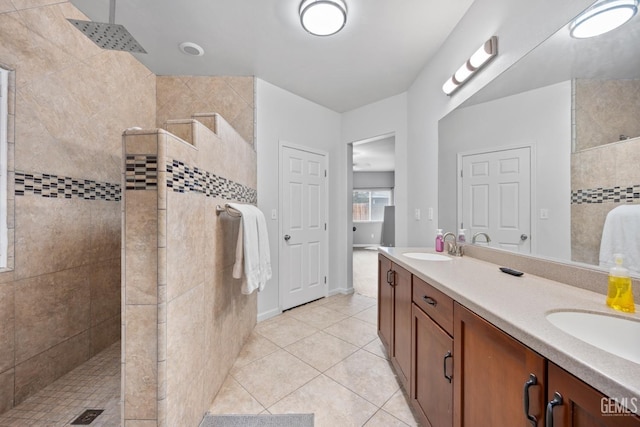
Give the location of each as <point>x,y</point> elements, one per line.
<point>496,197</point>
<point>304,237</point>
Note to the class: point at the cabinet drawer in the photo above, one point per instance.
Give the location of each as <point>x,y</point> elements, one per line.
<point>433,302</point>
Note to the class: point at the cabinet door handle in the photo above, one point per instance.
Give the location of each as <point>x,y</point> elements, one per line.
<point>389,276</point>
<point>430,300</point>
<point>444,367</point>
<point>557,400</point>
<point>533,380</point>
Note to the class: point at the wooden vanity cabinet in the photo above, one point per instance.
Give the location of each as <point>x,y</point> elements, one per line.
<point>385,302</point>
<point>431,355</point>
<point>490,374</point>
<point>462,371</point>
<point>579,405</point>
<point>394,315</point>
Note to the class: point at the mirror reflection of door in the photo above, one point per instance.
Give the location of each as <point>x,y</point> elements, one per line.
<point>496,197</point>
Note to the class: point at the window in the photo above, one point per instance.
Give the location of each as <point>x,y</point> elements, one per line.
<point>368,205</point>
<point>4,116</point>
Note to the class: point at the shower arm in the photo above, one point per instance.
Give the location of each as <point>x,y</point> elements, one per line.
<point>112,11</point>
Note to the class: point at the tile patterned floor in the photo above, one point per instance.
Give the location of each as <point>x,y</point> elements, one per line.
<point>323,357</point>
<point>93,385</point>
<point>365,271</point>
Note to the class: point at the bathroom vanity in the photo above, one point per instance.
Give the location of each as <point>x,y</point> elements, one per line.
<point>472,346</point>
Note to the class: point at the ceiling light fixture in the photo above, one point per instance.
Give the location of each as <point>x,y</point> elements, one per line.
<point>323,17</point>
<point>479,59</point>
<point>192,49</point>
<point>603,17</point>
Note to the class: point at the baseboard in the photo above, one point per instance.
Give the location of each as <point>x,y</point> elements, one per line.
<point>269,314</point>
<point>343,291</point>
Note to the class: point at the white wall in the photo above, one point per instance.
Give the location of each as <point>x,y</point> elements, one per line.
<point>540,118</point>
<point>373,180</point>
<point>412,116</point>
<point>283,116</point>
<point>520,26</point>
<point>388,116</point>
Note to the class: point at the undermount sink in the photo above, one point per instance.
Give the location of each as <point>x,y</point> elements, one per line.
<point>612,334</point>
<point>426,256</point>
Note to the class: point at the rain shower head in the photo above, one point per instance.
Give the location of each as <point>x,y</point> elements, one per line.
<point>109,35</point>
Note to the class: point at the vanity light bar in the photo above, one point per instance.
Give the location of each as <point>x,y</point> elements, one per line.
<point>484,54</point>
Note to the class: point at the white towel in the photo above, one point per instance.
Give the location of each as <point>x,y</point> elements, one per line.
<point>621,235</point>
<point>252,249</point>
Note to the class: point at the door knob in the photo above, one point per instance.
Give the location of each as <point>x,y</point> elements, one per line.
<point>354,228</point>
<point>523,237</point>
<point>287,237</point>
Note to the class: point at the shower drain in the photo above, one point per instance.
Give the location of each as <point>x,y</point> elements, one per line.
<point>87,417</point>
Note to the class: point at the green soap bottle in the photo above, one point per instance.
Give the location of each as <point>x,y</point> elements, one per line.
<point>620,295</point>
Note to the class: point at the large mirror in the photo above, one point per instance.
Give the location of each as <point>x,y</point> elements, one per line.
<point>547,156</point>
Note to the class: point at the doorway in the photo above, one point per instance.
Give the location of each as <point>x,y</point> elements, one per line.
<point>372,208</point>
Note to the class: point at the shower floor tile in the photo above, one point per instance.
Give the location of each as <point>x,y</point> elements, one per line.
<point>92,385</point>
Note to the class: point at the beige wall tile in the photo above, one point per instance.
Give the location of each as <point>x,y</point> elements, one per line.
<point>141,247</point>
<point>140,370</point>
<point>7,327</point>
<point>141,142</point>
<point>6,6</point>
<point>183,130</point>
<point>51,234</point>
<point>41,370</point>
<point>185,357</point>
<point>627,170</point>
<point>105,226</point>
<point>243,86</point>
<point>181,97</point>
<point>221,235</point>
<point>104,334</point>
<point>6,390</point>
<point>105,291</point>
<point>185,242</point>
<point>606,109</point>
<point>180,150</point>
<point>50,309</point>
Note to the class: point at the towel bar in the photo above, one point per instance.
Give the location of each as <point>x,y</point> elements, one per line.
<point>229,210</point>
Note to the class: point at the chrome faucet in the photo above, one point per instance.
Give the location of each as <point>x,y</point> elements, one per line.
<point>475,236</point>
<point>452,247</point>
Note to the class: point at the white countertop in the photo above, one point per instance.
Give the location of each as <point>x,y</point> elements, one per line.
<point>518,306</point>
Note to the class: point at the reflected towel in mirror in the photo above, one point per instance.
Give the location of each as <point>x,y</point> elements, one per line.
<point>621,235</point>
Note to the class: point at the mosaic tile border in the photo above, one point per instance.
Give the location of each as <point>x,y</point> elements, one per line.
<point>184,179</point>
<point>141,172</point>
<point>64,187</point>
<point>627,194</point>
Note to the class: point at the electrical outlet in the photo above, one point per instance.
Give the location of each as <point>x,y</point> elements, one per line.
<point>544,213</point>
<point>274,214</point>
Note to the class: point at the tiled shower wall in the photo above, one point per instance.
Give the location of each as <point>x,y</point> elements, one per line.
<point>181,97</point>
<point>604,110</point>
<point>602,178</point>
<point>71,100</point>
<point>183,326</point>
<point>604,170</point>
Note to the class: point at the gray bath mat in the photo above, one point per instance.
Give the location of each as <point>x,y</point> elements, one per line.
<point>265,420</point>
